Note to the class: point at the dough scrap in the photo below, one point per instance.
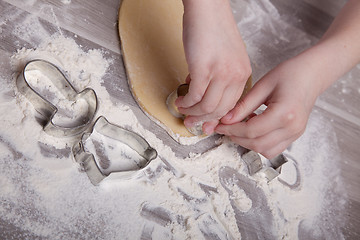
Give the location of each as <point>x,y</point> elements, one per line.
<point>151,42</point>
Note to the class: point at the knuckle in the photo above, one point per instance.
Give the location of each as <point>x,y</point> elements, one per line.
<point>243,72</point>
<point>289,117</point>
<point>249,132</point>
<point>201,74</point>
<point>207,108</point>
<point>197,97</point>
<point>294,121</point>
<point>218,113</point>
<point>234,72</point>
<point>221,113</point>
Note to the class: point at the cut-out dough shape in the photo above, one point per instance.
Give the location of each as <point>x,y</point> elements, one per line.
<point>151,41</point>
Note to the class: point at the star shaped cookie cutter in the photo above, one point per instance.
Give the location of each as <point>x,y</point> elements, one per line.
<point>111,150</point>
<point>46,109</point>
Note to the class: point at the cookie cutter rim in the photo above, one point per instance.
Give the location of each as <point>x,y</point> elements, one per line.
<point>87,160</point>
<point>254,164</point>
<point>48,110</point>
<point>181,91</point>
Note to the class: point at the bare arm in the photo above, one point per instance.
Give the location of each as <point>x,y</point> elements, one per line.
<point>218,62</point>
<point>290,90</point>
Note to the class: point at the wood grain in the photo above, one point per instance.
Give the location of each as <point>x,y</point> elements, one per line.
<point>94,23</point>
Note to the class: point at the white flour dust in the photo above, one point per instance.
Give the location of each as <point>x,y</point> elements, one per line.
<point>69,111</point>
<point>112,155</point>
<point>204,196</point>
<point>44,194</point>
<point>32,2</point>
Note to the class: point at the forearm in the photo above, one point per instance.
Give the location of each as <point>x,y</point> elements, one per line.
<point>339,49</point>
<point>199,9</point>
<point>208,18</point>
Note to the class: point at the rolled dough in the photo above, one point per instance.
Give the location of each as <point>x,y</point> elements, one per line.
<point>151,42</point>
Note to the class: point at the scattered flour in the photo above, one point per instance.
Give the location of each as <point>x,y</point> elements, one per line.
<point>205,196</point>
<point>66,1</point>
<point>112,155</point>
<point>32,2</point>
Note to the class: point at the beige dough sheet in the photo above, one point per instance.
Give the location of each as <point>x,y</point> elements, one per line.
<point>151,42</point>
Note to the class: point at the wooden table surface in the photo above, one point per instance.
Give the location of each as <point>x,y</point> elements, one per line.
<point>94,23</point>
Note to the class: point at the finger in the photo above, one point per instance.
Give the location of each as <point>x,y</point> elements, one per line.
<point>197,89</point>
<point>210,100</point>
<point>209,127</point>
<point>191,121</point>
<point>215,116</point>
<point>256,126</point>
<point>279,148</point>
<point>227,102</point>
<point>247,105</point>
<point>267,145</point>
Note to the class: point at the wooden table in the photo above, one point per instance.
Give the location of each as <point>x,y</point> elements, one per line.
<point>93,24</point>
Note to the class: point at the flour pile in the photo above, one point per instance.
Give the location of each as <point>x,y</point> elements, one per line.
<point>204,196</point>
<point>44,194</point>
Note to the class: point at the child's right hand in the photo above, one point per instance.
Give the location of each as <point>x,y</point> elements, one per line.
<point>218,62</point>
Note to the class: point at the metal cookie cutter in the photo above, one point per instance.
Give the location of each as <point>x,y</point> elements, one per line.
<point>110,149</point>
<point>271,168</point>
<point>182,90</point>
<point>46,109</point>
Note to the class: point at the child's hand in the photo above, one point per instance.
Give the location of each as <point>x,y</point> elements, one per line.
<point>289,91</point>
<point>218,63</point>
